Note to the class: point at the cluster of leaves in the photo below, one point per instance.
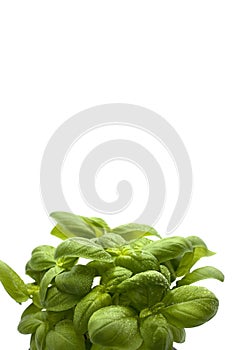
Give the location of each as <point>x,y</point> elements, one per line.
<point>144,299</point>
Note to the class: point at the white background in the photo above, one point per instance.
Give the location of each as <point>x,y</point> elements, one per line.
<point>60,57</point>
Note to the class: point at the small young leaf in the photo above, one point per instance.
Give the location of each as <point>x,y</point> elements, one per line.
<point>114,276</point>
<point>12,283</point>
<point>134,231</point>
<point>137,261</point>
<point>115,326</point>
<point>156,333</point>
<point>58,301</point>
<point>83,248</point>
<point>77,281</point>
<point>92,302</point>
<point>168,248</point>
<point>110,240</point>
<point>145,288</point>
<point>71,225</point>
<point>178,333</point>
<point>64,337</point>
<point>201,274</point>
<point>165,271</point>
<point>189,306</point>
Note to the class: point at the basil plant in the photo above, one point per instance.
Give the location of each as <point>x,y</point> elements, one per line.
<point>131,293</point>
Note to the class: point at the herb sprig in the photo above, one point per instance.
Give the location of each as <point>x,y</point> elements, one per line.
<point>144,298</point>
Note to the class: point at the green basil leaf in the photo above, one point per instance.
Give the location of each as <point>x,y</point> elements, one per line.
<point>42,258</point>
<point>115,326</point>
<point>168,248</point>
<point>190,259</point>
<point>100,347</point>
<point>134,231</point>
<point>71,225</point>
<point>145,288</point>
<point>165,271</point>
<point>12,283</point>
<point>156,333</point>
<point>31,309</point>
<point>64,337</point>
<point>77,281</point>
<point>47,279</point>
<point>92,302</point>
<point>33,343</point>
<point>55,317</point>
<point>29,323</point>
<point>140,243</point>
<point>58,301</point>
<point>110,240</point>
<point>196,241</point>
<point>137,261</point>
<point>35,275</point>
<point>114,276</point>
<point>98,224</point>
<point>201,274</point>
<point>100,266</point>
<point>189,306</point>
<point>179,334</point>
<point>83,248</point>
<point>40,335</point>
<point>36,297</point>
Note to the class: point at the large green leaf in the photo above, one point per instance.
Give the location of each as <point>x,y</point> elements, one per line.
<point>33,343</point>
<point>47,279</point>
<point>189,306</point>
<point>98,224</point>
<point>12,283</point>
<point>189,259</point>
<point>83,248</point>
<point>31,309</point>
<point>156,333</point>
<point>134,231</point>
<point>29,323</point>
<point>35,275</point>
<point>115,326</point>
<point>100,266</point>
<point>168,248</point>
<point>58,301</point>
<point>40,335</point>
<point>201,274</point>
<point>140,243</point>
<point>42,258</point>
<point>71,225</point>
<point>77,281</point>
<point>64,337</point>
<point>92,302</point>
<point>145,288</point>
